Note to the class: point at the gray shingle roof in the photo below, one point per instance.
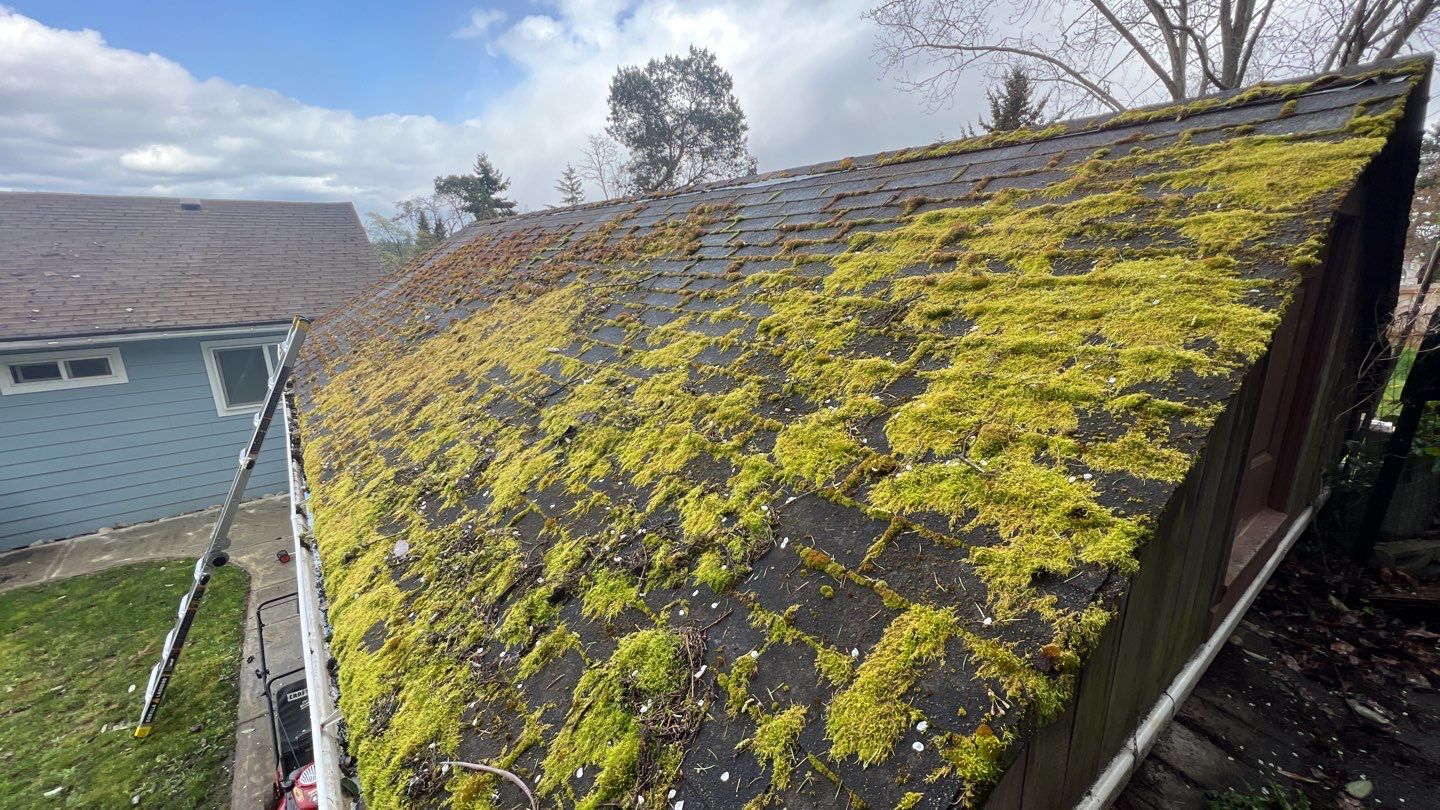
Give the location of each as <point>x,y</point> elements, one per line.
<point>82,264</point>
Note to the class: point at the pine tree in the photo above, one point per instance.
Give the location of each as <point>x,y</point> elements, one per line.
<point>423,234</point>
<point>477,194</point>
<point>1013,104</point>
<point>439,230</point>
<point>571,191</point>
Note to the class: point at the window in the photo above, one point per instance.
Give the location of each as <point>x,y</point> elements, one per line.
<point>52,371</point>
<point>240,372</point>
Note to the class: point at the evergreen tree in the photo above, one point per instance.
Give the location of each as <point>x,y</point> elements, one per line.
<point>438,231</point>
<point>680,122</point>
<point>423,235</point>
<point>571,191</point>
<point>1013,104</point>
<point>477,194</point>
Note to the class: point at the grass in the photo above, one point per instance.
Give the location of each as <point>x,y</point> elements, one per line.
<point>1390,400</point>
<point>69,653</point>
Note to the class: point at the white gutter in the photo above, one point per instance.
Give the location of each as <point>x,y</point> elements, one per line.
<point>1108,786</point>
<point>130,337</point>
<point>324,734</point>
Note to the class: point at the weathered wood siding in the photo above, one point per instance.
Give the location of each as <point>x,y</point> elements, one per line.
<point>73,461</point>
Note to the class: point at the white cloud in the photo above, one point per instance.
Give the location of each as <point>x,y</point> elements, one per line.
<point>480,22</point>
<point>77,114</point>
<point>167,158</point>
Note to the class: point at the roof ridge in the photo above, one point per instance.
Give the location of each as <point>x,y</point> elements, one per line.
<point>166,198</point>
<point>1256,93</point>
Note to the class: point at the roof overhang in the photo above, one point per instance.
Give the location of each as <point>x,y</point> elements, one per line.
<point>129,337</point>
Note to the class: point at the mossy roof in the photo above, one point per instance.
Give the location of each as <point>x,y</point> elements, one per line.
<point>819,483</point>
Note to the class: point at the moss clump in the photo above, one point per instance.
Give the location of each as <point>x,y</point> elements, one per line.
<point>713,570</point>
<point>531,612</point>
<point>736,684</point>
<point>827,592</point>
<point>605,726</point>
<point>550,646</point>
<point>835,667</point>
<point>867,717</point>
<point>820,561</point>
<point>774,743</point>
<point>975,758</point>
<point>608,593</point>
<point>909,801</point>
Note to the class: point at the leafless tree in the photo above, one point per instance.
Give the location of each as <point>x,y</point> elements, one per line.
<point>602,164</point>
<point>1118,53</point>
<point>441,208</point>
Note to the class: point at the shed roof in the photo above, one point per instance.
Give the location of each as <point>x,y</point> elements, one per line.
<point>84,264</point>
<point>820,482</point>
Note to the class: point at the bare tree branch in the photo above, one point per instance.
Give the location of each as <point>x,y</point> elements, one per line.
<point>1116,53</point>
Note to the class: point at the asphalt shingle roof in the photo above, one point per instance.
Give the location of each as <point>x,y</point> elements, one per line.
<point>80,264</point>
<point>816,483</point>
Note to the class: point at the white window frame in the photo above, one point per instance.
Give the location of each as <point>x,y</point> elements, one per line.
<point>212,369</point>
<point>8,385</point>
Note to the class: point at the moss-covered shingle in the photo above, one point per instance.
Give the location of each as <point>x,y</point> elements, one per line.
<point>816,482</point>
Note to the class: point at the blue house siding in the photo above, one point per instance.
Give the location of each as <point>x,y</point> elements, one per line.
<point>73,461</point>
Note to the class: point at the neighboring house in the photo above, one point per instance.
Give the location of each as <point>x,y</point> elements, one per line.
<point>893,481</point>
<point>136,337</point>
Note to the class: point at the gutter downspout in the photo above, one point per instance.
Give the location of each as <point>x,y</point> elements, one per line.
<point>1133,751</point>
<point>324,716</point>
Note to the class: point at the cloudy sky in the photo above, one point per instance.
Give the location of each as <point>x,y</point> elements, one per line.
<point>363,102</point>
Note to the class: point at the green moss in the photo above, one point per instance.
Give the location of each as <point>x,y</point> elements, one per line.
<point>550,646</point>
<point>820,561</point>
<point>608,593</point>
<point>774,743</point>
<point>605,727</point>
<point>715,571</point>
<point>909,801</point>
<point>1012,317</point>
<point>531,612</point>
<point>975,758</point>
<point>834,666</point>
<point>736,684</point>
<point>867,717</point>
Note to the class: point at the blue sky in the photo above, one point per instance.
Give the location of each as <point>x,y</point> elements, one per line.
<point>367,57</point>
<point>367,102</point>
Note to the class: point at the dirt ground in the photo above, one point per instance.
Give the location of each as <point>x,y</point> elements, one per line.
<point>1326,697</point>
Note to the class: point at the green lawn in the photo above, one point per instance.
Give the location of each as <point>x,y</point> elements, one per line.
<point>1390,400</point>
<point>69,653</point>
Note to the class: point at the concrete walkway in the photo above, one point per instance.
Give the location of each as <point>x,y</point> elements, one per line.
<point>261,528</point>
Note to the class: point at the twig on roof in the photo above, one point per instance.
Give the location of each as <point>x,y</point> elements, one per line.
<point>512,778</point>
